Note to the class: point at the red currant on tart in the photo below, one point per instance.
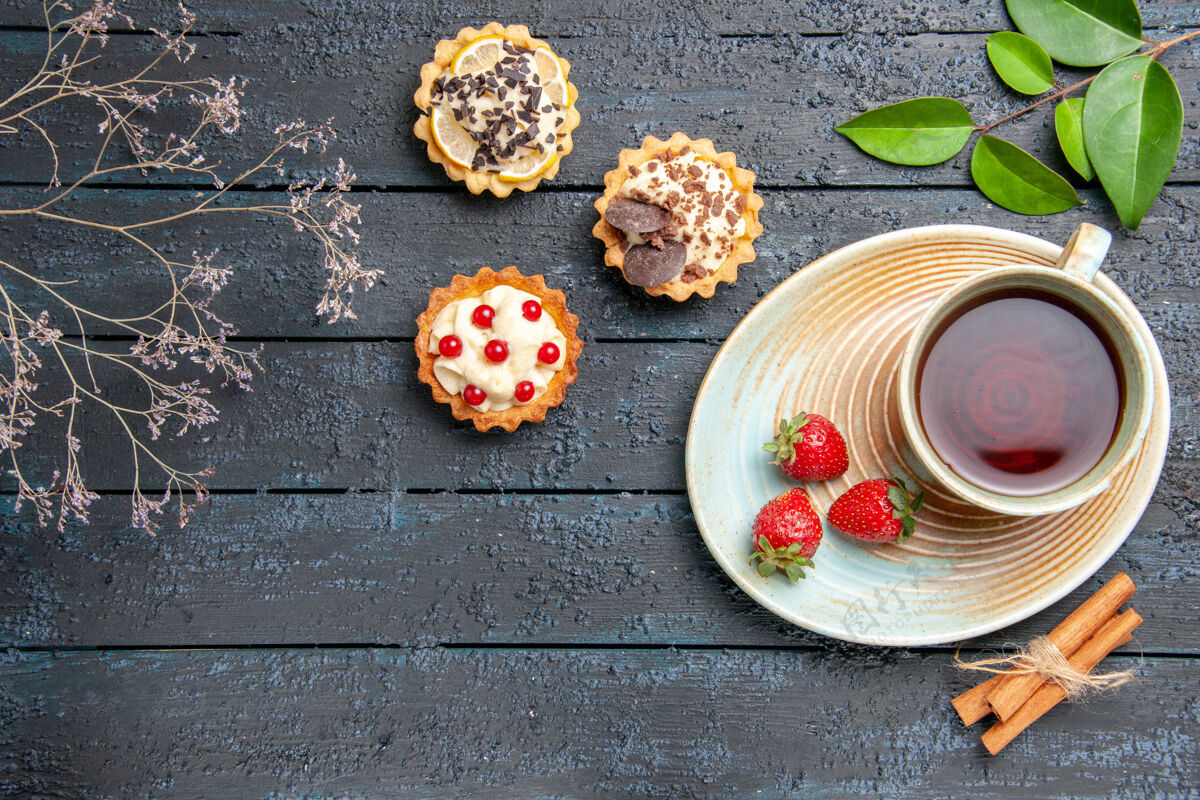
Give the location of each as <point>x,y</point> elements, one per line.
<point>524,391</point>
<point>483,316</point>
<point>496,351</point>
<point>531,310</point>
<point>548,353</point>
<point>450,346</point>
<point>474,395</point>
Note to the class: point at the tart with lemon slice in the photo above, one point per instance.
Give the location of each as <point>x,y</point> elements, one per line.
<point>499,348</point>
<point>677,217</point>
<point>497,109</point>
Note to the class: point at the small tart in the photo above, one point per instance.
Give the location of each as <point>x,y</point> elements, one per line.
<point>553,306</point>
<point>480,180</point>
<point>741,181</point>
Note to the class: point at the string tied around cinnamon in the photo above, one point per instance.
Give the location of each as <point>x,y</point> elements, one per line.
<point>1042,657</point>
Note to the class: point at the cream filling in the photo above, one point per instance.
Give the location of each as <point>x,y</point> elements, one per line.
<point>509,119</point>
<point>679,185</point>
<point>524,338</point>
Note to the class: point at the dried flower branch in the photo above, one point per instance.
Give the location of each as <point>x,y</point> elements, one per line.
<point>184,328</point>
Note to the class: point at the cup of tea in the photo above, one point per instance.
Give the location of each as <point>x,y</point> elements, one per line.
<point>1025,389</point>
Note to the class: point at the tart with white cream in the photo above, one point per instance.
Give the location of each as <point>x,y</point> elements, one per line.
<point>497,109</point>
<point>677,217</point>
<point>500,348</point>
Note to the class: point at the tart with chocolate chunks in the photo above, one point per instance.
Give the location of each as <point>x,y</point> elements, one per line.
<point>496,109</point>
<point>677,217</point>
<point>499,348</point>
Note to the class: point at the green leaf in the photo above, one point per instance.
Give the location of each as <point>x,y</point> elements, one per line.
<point>794,572</point>
<point>1132,127</point>
<point>896,497</point>
<point>766,569</point>
<point>1082,33</point>
<point>1012,178</point>
<point>927,130</point>
<point>1068,126</point>
<point>1020,62</point>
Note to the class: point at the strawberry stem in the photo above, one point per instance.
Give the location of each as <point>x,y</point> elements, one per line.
<point>787,559</point>
<point>784,446</point>
<point>905,505</point>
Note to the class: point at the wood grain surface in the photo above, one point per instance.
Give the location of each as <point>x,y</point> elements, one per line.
<point>719,17</point>
<point>278,277</point>
<point>773,100</point>
<point>381,602</point>
<point>564,723</point>
<point>418,569</point>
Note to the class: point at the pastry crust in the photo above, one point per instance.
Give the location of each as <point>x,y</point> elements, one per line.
<point>743,182</point>
<point>478,182</point>
<point>553,303</point>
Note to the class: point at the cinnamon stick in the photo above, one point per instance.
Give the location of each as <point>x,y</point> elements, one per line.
<point>972,705</point>
<point>1116,632</point>
<point>1070,634</point>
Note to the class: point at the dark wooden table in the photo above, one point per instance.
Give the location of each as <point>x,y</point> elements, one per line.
<point>381,602</point>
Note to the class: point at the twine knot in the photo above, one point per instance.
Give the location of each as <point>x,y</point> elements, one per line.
<point>1044,658</point>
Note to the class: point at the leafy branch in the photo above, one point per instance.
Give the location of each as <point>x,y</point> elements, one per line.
<point>1126,130</point>
<point>1154,50</point>
<point>183,327</point>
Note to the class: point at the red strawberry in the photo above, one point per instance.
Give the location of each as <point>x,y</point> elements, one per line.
<point>809,448</point>
<point>786,533</point>
<point>878,510</point>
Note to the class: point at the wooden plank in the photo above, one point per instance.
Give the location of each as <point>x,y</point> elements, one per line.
<point>722,17</point>
<point>784,17</point>
<point>566,724</point>
<point>278,277</point>
<point>774,101</point>
<point>342,414</point>
<point>421,570</point>
<point>336,415</point>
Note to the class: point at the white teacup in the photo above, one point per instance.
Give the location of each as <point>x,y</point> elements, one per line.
<point>1070,282</point>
